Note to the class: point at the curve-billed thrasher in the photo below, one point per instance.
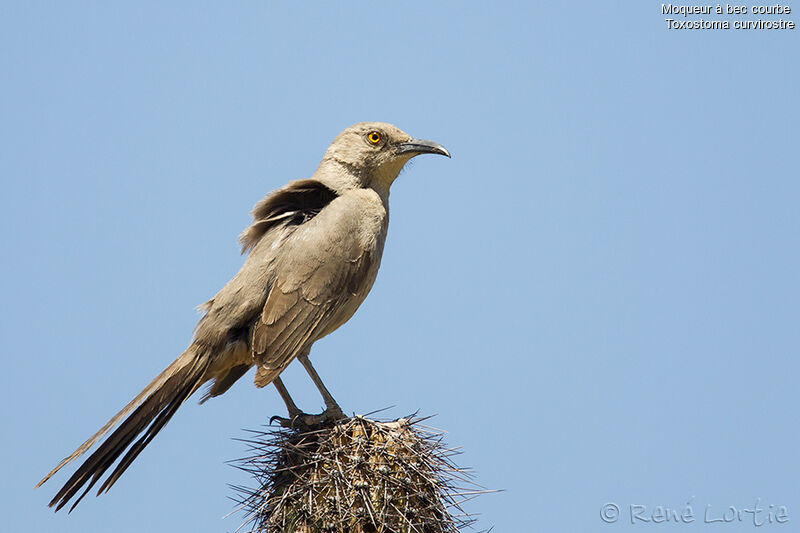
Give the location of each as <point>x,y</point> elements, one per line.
<point>314,250</point>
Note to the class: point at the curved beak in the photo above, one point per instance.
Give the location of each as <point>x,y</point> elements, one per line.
<point>419,146</point>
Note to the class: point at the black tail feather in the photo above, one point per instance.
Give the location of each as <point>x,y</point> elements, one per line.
<point>150,417</point>
<point>161,420</point>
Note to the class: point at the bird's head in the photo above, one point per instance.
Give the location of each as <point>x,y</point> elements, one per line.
<point>372,154</point>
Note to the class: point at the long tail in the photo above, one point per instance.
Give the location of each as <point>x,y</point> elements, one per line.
<point>152,409</point>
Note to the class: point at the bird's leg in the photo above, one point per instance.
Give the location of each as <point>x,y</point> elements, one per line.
<point>332,409</point>
<point>298,418</point>
<point>294,411</point>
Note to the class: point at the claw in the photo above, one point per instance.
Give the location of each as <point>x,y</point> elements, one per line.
<point>283,421</point>
<point>307,421</point>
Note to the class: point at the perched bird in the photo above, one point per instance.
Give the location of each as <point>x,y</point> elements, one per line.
<point>314,248</point>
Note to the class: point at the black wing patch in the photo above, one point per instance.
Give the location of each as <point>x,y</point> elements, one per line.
<point>291,205</point>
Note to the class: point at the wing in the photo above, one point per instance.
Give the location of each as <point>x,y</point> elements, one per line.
<point>323,275</point>
<point>294,204</point>
<point>230,313</point>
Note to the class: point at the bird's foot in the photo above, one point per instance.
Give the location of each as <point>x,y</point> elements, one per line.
<point>302,420</point>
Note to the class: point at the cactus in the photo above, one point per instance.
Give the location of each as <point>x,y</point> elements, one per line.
<point>355,475</point>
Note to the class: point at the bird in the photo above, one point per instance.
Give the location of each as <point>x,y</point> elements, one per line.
<point>313,251</point>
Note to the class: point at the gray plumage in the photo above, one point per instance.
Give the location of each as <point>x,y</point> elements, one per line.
<point>314,249</point>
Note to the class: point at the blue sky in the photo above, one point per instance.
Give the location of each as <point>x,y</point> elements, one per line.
<point>597,295</point>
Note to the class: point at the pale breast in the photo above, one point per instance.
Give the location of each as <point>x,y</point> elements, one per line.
<point>368,219</point>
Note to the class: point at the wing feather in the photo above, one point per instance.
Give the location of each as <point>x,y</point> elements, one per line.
<point>325,265</point>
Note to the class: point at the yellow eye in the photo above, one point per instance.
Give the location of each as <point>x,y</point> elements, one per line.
<point>374,137</point>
